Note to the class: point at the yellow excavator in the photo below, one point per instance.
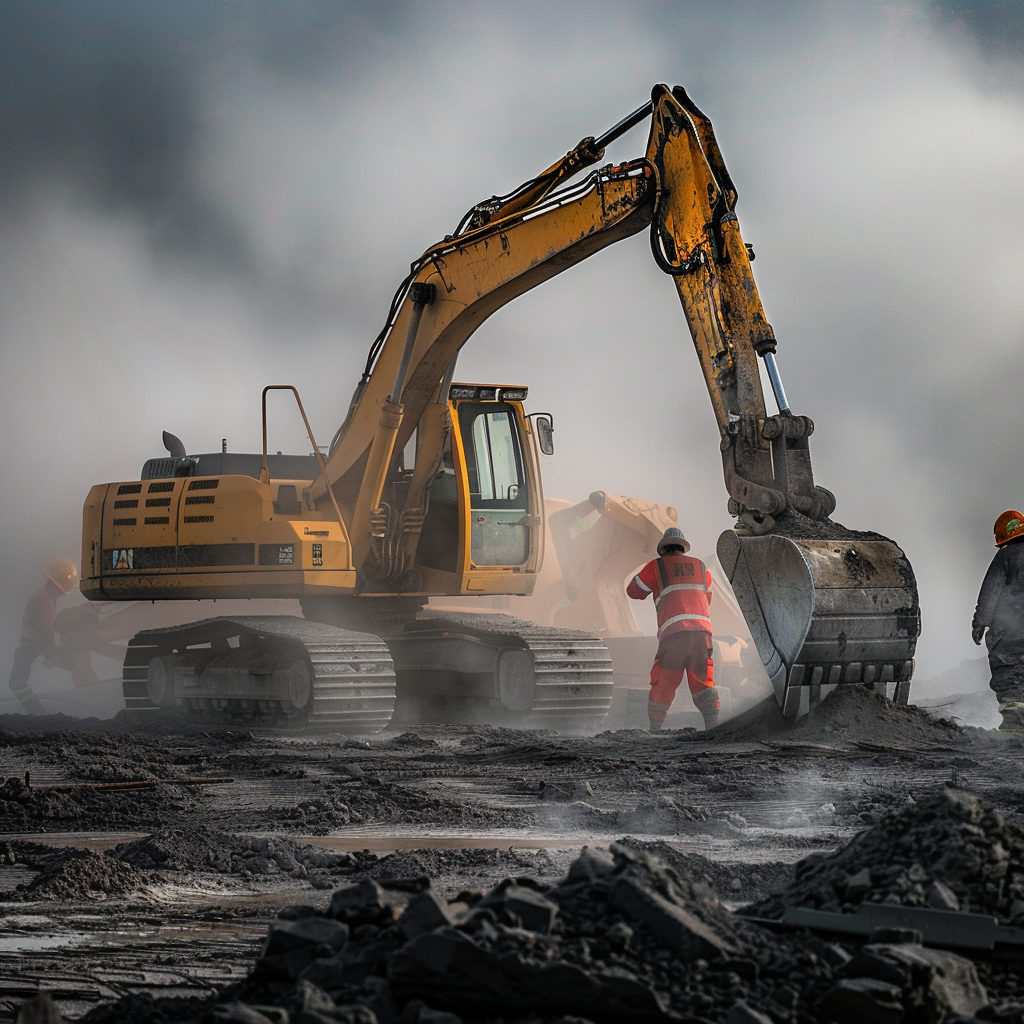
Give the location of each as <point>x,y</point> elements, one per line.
<point>432,487</point>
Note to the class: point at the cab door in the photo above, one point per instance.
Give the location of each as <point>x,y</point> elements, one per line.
<point>499,501</point>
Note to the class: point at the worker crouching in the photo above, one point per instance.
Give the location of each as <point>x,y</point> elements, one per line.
<point>38,639</point>
<point>682,595</point>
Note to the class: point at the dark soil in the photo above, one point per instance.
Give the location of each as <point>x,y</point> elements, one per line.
<point>861,800</point>
<point>621,937</point>
<point>850,716</point>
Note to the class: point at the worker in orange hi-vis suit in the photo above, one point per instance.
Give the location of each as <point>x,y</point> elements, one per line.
<point>682,595</point>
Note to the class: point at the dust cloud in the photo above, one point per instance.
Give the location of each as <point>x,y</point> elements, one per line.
<point>199,200</point>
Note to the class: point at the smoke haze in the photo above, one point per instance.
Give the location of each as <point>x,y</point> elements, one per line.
<point>197,200</point>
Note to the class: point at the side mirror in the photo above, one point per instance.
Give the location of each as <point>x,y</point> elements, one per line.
<point>545,432</point>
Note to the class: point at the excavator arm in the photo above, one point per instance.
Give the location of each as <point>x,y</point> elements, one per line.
<point>825,605</point>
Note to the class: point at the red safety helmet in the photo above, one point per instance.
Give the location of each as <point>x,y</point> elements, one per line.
<point>1009,525</point>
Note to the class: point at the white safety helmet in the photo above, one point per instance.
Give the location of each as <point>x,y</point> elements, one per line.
<point>673,538</point>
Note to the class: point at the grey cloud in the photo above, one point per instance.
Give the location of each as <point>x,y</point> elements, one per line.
<point>251,180</point>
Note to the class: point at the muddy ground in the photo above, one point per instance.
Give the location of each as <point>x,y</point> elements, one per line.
<point>149,860</point>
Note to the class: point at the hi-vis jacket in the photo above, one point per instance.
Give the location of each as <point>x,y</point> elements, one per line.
<point>682,592</point>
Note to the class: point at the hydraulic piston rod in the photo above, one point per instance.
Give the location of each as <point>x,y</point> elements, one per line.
<point>773,375</point>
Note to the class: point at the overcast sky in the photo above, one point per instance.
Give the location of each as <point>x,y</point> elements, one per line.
<point>197,199</point>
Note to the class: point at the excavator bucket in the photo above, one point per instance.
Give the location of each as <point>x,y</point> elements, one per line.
<point>830,608</point>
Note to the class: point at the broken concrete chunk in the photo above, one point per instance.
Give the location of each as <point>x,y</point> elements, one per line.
<point>276,1014</point>
<point>950,981</point>
<point>858,885</point>
<point>239,1013</point>
<point>741,1013</point>
<point>533,911</point>
<point>313,1017</point>
<point>326,973</point>
<point>353,1015</point>
<point>417,1012</point>
<point>681,931</point>
<point>307,931</point>
<point>366,902</point>
<point>457,974</point>
<point>871,962</point>
<point>590,865</point>
<point>941,897</point>
<point>424,913</point>
<point>312,997</point>
<point>291,946</point>
<point>856,1000</point>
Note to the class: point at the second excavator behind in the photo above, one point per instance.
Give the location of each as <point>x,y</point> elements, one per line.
<point>432,488</point>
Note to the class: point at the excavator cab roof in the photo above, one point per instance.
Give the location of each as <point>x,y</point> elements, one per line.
<point>488,392</point>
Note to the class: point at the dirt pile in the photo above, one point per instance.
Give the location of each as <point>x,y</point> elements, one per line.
<point>734,881</point>
<point>850,715</point>
<point>621,937</point>
<point>948,850</point>
<point>199,849</point>
<point>485,867</point>
<point>49,809</point>
<point>84,875</point>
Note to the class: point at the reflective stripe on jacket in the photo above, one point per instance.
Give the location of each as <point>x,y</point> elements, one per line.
<point>682,592</point>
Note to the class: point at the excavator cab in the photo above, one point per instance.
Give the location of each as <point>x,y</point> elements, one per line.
<point>483,516</point>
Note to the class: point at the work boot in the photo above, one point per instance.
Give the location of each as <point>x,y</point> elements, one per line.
<point>1013,716</point>
<point>656,714</point>
<point>707,703</point>
<point>29,701</point>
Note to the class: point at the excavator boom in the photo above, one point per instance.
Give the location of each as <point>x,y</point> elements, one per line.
<point>825,605</point>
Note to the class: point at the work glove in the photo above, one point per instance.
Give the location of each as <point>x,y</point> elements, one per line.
<point>977,632</point>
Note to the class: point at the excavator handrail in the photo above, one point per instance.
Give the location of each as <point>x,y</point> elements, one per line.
<point>265,468</point>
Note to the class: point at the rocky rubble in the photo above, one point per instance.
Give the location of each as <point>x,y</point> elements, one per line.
<point>621,938</point>
<point>948,850</point>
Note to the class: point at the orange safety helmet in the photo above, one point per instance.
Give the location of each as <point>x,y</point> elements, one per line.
<point>1009,525</point>
<point>61,572</point>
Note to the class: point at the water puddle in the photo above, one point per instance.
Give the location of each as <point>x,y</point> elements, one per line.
<point>32,943</point>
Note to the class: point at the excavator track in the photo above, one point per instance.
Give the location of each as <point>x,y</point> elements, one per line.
<point>280,666</point>
<point>529,674</point>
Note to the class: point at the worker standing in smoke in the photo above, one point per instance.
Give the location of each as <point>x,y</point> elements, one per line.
<point>682,595</point>
<point>1001,611</point>
<point>38,639</point>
